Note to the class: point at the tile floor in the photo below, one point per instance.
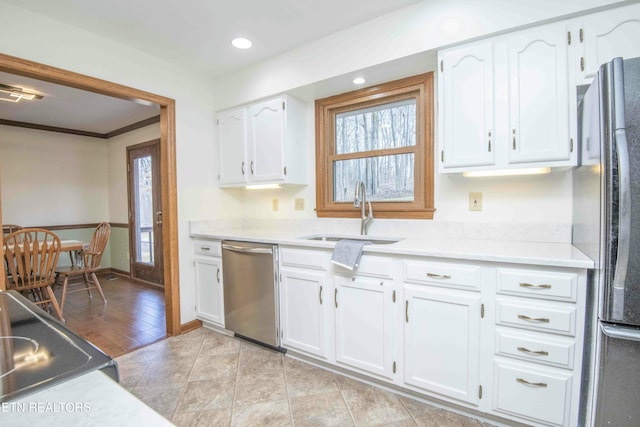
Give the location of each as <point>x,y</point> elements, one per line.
<point>205,378</point>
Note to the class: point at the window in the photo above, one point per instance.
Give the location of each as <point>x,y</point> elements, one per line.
<point>382,136</point>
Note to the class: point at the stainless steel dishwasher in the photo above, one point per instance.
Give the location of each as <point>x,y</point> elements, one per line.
<point>249,272</point>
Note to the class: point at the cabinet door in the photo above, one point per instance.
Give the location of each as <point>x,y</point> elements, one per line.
<point>233,145</point>
<point>209,296</point>
<point>538,95</point>
<point>266,140</point>
<point>364,337</point>
<point>467,106</point>
<point>607,35</point>
<point>305,299</point>
<point>442,341</point>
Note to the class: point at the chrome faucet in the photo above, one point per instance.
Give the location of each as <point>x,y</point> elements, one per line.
<point>359,201</point>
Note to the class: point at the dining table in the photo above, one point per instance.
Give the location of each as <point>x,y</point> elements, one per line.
<point>73,247</point>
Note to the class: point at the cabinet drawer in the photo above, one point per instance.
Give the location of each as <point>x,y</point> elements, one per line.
<point>535,347</point>
<point>538,283</point>
<point>536,393</point>
<point>453,275</point>
<point>207,247</point>
<point>372,266</point>
<point>304,258</point>
<point>543,316</point>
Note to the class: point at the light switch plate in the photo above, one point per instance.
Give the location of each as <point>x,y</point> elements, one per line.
<point>475,201</point>
<point>299,204</point>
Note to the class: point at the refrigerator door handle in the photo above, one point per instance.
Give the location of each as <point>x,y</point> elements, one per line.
<point>624,193</point>
<point>620,332</point>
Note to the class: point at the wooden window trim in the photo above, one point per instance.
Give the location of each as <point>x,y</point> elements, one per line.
<point>420,87</point>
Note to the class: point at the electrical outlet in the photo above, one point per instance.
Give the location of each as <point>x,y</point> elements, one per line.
<point>274,205</point>
<point>475,201</point>
<point>299,204</point>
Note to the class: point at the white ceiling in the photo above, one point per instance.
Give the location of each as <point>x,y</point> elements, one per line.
<point>193,33</point>
<point>70,108</point>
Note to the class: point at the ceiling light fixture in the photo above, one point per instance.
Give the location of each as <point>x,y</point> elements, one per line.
<point>509,172</point>
<point>359,81</point>
<point>241,43</point>
<point>15,94</point>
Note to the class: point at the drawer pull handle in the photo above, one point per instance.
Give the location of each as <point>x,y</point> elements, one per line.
<point>525,382</point>
<point>335,297</point>
<point>438,276</point>
<point>533,319</point>
<point>320,296</point>
<point>218,275</point>
<point>538,353</point>
<point>406,311</point>
<point>204,248</point>
<point>532,286</point>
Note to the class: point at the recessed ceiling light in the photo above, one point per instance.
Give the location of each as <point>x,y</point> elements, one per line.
<point>358,81</point>
<point>241,43</point>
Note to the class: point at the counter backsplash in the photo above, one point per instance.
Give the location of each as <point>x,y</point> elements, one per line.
<point>528,232</point>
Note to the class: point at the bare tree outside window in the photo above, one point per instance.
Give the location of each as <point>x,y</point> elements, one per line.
<point>386,177</point>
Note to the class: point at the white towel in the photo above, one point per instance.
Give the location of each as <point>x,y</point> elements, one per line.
<point>347,253</point>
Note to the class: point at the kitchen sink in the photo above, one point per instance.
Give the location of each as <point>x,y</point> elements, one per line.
<point>335,238</point>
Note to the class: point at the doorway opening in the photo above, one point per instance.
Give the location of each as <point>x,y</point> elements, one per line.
<point>167,165</point>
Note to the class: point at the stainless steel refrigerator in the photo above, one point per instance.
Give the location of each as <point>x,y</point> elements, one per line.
<point>606,227</point>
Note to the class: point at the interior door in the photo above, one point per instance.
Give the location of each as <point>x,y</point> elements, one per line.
<point>145,212</point>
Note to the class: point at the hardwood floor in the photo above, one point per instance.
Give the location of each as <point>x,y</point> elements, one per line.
<point>133,317</point>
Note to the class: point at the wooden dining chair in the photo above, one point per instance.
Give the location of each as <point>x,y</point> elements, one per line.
<point>10,228</point>
<point>90,259</point>
<point>31,256</point>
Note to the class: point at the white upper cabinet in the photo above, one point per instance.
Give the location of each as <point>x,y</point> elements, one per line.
<point>467,118</point>
<point>600,37</point>
<point>262,143</point>
<point>504,102</point>
<point>232,138</point>
<point>538,95</point>
<point>266,138</point>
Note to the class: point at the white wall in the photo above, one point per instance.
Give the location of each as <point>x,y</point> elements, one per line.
<point>49,178</point>
<point>60,45</point>
<point>418,28</point>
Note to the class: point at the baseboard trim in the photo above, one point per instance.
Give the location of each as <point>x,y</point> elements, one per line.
<point>190,326</point>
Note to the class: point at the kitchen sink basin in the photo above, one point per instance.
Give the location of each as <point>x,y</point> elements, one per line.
<point>335,238</point>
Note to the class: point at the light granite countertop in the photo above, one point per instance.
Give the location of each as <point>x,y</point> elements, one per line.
<point>534,253</point>
<point>89,400</point>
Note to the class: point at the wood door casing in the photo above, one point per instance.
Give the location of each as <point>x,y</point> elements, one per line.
<point>35,70</point>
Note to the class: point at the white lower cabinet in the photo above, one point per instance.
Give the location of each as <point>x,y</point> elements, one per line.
<point>442,341</point>
<point>364,333</point>
<point>306,301</point>
<point>207,264</point>
<point>538,393</point>
<point>501,339</point>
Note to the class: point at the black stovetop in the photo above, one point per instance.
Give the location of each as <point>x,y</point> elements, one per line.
<point>37,351</point>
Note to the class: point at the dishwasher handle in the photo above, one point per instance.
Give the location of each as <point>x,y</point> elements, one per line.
<point>248,250</point>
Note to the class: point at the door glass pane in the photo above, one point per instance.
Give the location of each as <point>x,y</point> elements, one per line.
<point>144,209</point>
<point>390,125</point>
<point>386,178</point>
